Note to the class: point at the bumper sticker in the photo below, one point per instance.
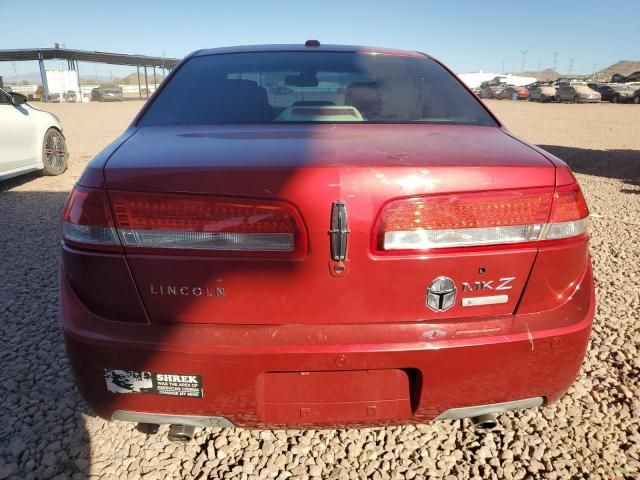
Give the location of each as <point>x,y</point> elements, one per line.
<point>174,384</point>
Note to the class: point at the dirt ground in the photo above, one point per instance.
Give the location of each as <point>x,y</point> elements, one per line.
<point>46,430</point>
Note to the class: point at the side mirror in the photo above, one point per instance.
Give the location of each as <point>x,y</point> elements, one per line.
<point>17,98</point>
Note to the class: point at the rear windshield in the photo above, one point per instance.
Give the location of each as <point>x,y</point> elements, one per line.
<point>305,87</point>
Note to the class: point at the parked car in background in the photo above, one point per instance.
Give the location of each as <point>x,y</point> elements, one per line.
<point>577,93</point>
<point>55,97</point>
<point>30,139</point>
<point>633,77</point>
<point>616,93</point>
<point>542,93</point>
<point>71,96</point>
<point>619,78</point>
<point>635,86</point>
<point>489,92</point>
<point>510,92</point>
<point>107,94</point>
<point>232,259</point>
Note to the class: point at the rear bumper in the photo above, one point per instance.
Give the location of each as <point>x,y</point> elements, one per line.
<point>263,376</point>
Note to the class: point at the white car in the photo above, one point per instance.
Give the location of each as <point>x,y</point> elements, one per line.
<point>30,139</point>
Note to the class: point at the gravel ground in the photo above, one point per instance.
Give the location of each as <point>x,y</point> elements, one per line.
<point>46,431</point>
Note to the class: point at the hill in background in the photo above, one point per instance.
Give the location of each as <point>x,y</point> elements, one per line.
<point>625,67</point>
<point>132,79</point>
<point>545,75</point>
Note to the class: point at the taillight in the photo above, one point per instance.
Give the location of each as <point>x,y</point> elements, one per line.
<point>87,220</point>
<point>150,222</point>
<point>207,224</point>
<point>569,213</point>
<point>486,218</point>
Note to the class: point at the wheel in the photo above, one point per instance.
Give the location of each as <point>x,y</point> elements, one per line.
<point>542,98</point>
<point>558,99</point>
<point>576,99</point>
<point>54,152</point>
<point>636,99</point>
<point>614,99</point>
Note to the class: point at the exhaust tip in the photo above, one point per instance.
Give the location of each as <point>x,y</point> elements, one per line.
<point>484,422</point>
<point>148,428</point>
<point>181,433</point>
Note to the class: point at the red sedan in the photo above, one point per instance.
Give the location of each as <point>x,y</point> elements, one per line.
<point>513,93</point>
<point>322,236</point>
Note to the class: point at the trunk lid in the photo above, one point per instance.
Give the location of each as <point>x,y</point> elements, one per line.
<point>311,167</point>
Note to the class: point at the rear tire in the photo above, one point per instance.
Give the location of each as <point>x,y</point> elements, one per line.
<point>636,99</point>
<point>614,99</point>
<point>558,100</point>
<point>54,153</point>
<point>542,98</point>
<point>576,99</point>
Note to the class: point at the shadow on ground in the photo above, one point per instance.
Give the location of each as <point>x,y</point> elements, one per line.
<point>615,164</point>
<point>42,420</point>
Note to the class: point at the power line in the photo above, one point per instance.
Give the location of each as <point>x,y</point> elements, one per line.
<point>524,58</point>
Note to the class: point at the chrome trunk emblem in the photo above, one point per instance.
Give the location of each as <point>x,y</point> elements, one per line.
<point>441,294</point>
<point>339,231</point>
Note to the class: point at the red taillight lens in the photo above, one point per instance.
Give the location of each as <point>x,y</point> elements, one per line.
<point>487,218</point>
<point>569,213</point>
<point>189,222</point>
<point>470,210</point>
<point>568,204</point>
<point>456,220</point>
<point>87,221</point>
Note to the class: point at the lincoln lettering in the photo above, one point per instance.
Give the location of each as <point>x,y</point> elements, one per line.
<point>185,291</point>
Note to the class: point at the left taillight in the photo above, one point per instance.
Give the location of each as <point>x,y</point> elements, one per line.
<point>87,221</point>
<point>207,225</point>
<point>153,223</point>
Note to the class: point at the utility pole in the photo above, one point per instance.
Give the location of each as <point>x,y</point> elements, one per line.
<point>595,67</point>
<point>570,66</point>
<point>524,58</point>
<point>503,59</point>
<point>555,64</point>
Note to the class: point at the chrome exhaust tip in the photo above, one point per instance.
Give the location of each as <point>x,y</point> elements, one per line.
<point>484,422</point>
<point>181,433</point>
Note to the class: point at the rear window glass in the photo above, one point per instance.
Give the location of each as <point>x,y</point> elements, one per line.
<point>305,87</point>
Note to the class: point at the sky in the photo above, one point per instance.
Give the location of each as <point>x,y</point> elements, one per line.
<point>465,35</point>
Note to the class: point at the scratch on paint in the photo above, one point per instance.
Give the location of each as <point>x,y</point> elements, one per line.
<point>529,336</point>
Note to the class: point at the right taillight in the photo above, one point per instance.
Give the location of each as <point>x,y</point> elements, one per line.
<point>481,218</point>
<point>569,213</point>
<point>153,222</point>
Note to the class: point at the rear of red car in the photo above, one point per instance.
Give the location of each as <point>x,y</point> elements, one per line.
<point>322,237</point>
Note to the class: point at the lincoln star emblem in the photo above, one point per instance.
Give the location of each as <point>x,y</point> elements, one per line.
<point>441,294</point>
<point>339,231</point>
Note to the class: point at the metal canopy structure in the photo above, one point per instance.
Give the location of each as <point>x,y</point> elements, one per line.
<point>74,56</point>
